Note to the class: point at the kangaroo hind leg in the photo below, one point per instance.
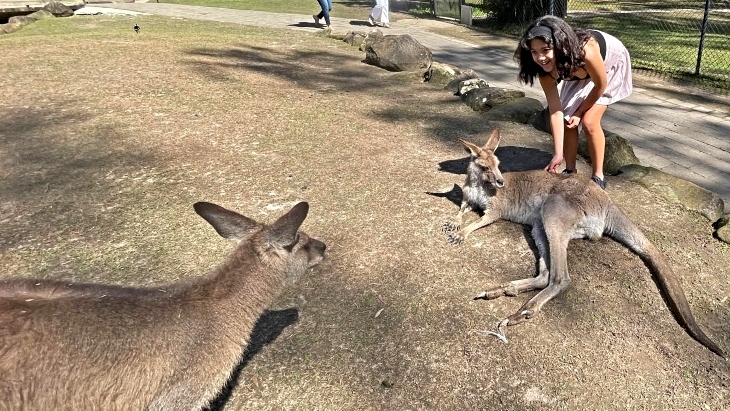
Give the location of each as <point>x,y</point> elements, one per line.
<point>539,282</point>
<point>559,218</point>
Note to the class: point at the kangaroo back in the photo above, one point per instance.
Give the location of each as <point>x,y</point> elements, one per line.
<point>67,346</point>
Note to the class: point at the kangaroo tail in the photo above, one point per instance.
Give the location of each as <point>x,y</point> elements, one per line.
<point>623,230</point>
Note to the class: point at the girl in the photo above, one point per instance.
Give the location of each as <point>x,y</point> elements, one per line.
<point>594,69</point>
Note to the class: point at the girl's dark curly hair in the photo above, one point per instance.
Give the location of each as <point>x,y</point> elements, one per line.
<point>567,44</point>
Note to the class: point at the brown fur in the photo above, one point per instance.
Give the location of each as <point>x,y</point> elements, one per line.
<point>559,208</point>
<point>66,346</point>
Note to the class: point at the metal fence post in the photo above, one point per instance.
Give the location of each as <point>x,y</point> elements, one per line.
<point>702,37</point>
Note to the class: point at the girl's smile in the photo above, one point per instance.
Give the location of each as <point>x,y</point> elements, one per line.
<point>542,54</point>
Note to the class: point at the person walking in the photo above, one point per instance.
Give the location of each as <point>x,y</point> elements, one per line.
<point>326,6</point>
<point>380,14</point>
<point>595,70</point>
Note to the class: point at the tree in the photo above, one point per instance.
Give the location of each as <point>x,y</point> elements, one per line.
<point>524,11</point>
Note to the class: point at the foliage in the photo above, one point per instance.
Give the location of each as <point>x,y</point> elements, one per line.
<point>523,12</point>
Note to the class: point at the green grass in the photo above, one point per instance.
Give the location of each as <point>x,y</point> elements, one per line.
<point>342,9</point>
<point>665,43</point>
<point>663,37</point>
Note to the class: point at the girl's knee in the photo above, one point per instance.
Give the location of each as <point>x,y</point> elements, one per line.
<point>592,129</point>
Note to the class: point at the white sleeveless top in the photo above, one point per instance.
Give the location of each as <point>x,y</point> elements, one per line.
<point>618,76</point>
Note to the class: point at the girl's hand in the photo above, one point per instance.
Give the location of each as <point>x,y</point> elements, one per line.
<point>554,164</point>
<point>574,121</point>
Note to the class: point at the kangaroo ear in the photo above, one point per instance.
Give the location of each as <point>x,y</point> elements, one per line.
<point>227,223</point>
<point>493,141</point>
<point>470,148</point>
<point>283,232</point>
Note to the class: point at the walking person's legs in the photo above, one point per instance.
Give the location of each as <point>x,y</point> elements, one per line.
<point>326,6</point>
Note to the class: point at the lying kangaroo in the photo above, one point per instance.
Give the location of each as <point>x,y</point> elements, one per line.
<point>559,208</point>
<point>66,346</point>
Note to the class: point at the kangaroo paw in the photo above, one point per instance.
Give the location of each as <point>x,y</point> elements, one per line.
<point>507,289</point>
<point>455,238</point>
<point>519,317</point>
<point>449,227</point>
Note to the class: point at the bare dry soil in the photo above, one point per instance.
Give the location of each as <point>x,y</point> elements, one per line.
<point>107,138</point>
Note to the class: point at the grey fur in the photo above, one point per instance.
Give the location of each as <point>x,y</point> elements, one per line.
<point>66,346</point>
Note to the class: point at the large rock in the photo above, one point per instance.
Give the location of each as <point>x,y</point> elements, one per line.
<point>520,110</point>
<point>498,104</point>
<point>723,228</point>
<point>468,85</point>
<point>618,153</point>
<point>22,20</point>
<point>455,84</point>
<point>58,9</point>
<point>354,38</point>
<point>485,98</point>
<point>541,120</point>
<point>398,53</point>
<point>676,190</point>
<point>10,28</point>
<point>371,37</point>
<point>442,74</point>
<point>41,14</point>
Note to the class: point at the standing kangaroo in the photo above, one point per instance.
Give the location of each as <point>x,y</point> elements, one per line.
<point>559,208</point>
<point>66,346</point>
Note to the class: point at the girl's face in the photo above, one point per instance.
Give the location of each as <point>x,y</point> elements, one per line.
<point>542,54</point>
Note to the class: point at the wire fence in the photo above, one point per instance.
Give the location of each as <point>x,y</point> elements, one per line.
<point>689,39</point>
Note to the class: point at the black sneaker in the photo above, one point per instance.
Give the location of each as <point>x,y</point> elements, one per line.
<point>566,171</point>
<point>600,182</point>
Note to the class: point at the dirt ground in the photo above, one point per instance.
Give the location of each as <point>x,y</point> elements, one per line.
<point>107,138</point>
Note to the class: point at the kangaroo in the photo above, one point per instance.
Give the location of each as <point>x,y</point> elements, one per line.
<point>558,208</point>
<point>69,346</point>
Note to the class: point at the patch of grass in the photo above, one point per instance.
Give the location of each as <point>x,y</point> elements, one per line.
<point>344,9</point>
<point>662,37</point>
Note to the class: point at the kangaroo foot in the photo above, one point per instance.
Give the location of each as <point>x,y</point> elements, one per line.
<point>455,238</point>
<point>450,227</point>
<point>507,289</point>
<point>518,317</point>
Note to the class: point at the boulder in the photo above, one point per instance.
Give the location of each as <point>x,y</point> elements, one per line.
<point>469,85</point>
<point>723,228</point>
<point>485,98</point>
<point>498,104</point>
<point>676,190</point>
<point>520,111</point>
<point>453,85</point>
<point>41,14</point>
<point>354,38</point>
<point>442,74</point>
<point>619,152</point>
<point>10,28</point>
<point>398,53</point>
<point>58,9</point>
<point>370,38</point>
<point>541,120</point>
<point>22,20</point>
